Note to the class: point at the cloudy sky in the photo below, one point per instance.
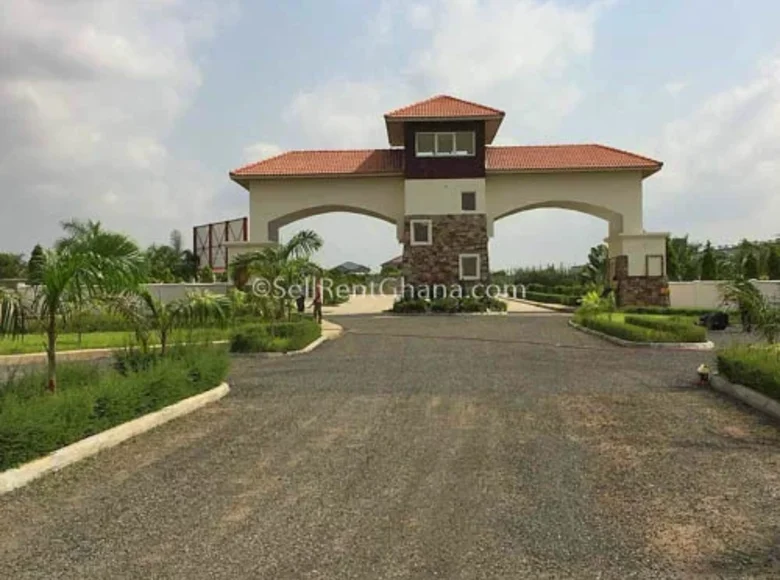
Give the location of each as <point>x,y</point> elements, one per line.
<point>133,112</point>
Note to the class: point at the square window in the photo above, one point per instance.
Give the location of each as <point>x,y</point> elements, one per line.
<point>468,201</point>
<point>421,232</point>
<point>445,143</point>
<point>425,144</point>
<point>464,143</point>
<point>469,267</point>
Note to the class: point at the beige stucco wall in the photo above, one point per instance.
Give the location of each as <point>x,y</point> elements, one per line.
<point>637,247</point>
<point>278,202</point>
<point>706,293</point>
<point>614,196</point>
<point>441,196</point>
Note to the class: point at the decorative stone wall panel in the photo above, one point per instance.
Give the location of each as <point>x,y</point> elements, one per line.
<point>639,290</point>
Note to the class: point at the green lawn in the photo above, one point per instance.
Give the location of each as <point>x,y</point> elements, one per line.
<point>70,341</point>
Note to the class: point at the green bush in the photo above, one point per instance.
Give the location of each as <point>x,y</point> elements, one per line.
<point>490,303</point>
<point>275,337</point>
<point>666,324</point>
<point>668,310</point>
<point>756,367</point>
<point>410,306</point>
<point>445,305</point>
<point>552,298</point>
<point>559,289</point>
<point>616,327</point>
<point>91,399</point>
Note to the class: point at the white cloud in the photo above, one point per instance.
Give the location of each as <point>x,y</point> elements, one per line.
<point>87,100</point>
<point>261,150</point>
<point>722,173</point>
<point>518,55</point>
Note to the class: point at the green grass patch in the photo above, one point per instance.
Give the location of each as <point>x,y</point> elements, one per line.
<point>32,343</point>
<point>756,367</point>
<point>669,311</point>
<point>644,328</point>
<point>275,337</point>
<point>92,398</point>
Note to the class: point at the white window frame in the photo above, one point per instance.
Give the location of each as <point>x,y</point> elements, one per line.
<point>474,193</point>
<point>428,224</point>
<point>451,153</point>
<point>460,267</point>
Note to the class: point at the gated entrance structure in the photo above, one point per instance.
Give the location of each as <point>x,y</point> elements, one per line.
<point>443,185</point>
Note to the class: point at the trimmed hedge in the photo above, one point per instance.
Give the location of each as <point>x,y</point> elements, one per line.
<point>669,311</point>
<point>275,337</point>
<point>756,367</point>
<point>449,305</point>
<point>564,299</point>
<point>634,333</point>
<point>665,324</point>
<point>92,398</point>
<point>564,290</point>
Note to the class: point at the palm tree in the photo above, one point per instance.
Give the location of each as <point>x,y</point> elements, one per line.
<point>89,265</point>
<point>148,314</point>
<point>283,265</point>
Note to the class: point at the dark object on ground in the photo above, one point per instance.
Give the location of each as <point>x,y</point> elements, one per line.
<point>714,320</point>
<point>300,303</point>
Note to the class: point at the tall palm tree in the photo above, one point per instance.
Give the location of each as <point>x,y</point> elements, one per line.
<point>282,265</point>
<point>88,265</point>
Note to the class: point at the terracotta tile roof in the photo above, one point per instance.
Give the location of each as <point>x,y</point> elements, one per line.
<point>498,159</point>
<point>443,106</point>
<point>310,163</point>
<point>565,157</point>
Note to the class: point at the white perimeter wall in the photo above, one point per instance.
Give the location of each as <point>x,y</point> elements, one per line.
<point>165,292</point>
<point>706,294</point>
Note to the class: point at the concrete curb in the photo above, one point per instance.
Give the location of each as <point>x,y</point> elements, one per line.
<point>554,307</point>
<point>657,345</point>
<point>330,331</point>
<point>69,355</point>
<point>388,313</point>
<point>747,395</point>
<point>19,476</point>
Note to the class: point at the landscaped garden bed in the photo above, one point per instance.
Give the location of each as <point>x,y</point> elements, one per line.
<point>92,398</point>
<point>449,305</point>
<point>644,328</point>
<point>755,366</point>
<point>275,337</point>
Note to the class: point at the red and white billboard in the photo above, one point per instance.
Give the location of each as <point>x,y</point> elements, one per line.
<point>208,242</point>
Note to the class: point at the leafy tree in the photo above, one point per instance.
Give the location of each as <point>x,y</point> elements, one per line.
<point>682,258</point>
<point>773,264</point>
<point>595,271</point>
<point>756,309</point>
<point>709,267</point>
<point>750,267</point>
<point>89,264</point>
<point>35,265</point>
<point>12,265</point>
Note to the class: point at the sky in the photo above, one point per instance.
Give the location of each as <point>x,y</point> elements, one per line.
<point>133,113</point>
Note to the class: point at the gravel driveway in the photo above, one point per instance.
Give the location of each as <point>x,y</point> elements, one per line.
<point>420,447</point>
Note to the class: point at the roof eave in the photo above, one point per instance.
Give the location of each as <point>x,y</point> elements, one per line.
<point>645,171</point>
<point>240,179</point>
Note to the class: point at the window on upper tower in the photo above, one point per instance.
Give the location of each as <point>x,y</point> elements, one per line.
<point>445,144</point>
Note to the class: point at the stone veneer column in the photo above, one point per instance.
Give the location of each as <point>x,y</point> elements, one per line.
<point>451,235</point>
<point>638,290</point>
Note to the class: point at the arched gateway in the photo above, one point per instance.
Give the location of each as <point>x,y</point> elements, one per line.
<point>444,186</point>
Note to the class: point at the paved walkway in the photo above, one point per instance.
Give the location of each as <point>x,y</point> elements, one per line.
<point>456,447</point>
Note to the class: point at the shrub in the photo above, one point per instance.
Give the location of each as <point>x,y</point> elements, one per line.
<point>410,305</point>
<point>666,324</point>
<point>445,305</point>
<point>275,337</point>
<point>491,303</point>
<point>668,310</point>
<point>552,298</point>
<point>92,398</point>
<point>620,329</point>
<point>752,366</point>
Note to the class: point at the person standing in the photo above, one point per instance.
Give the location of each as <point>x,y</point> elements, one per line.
<point>317,302</point>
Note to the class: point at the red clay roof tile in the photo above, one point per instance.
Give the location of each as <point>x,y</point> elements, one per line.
<point>443,106</point>
<point>522,158</point>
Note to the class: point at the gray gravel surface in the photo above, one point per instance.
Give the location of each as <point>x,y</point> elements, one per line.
<point>419,447</point>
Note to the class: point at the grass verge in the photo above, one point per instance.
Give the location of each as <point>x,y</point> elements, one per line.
<point>92,398</point>
<point>275,337</point>
<point>756,367</point>
<point>33,343</point>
